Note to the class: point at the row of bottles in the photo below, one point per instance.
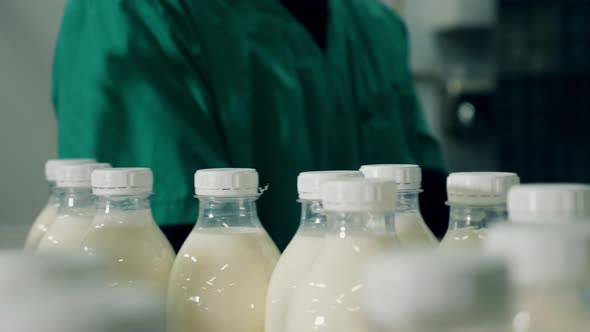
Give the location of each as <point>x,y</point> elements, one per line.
<point>531,274</point>
<point>228,275</point>
<point>49,212</point>
<point>364,218</point>
<point>102,211</point>
<point>76,207</point>
<point>303,248</point>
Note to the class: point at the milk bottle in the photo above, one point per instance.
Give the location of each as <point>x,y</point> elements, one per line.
<point>220,278</point>
<point>302,249</point>
<point>76,208</point>
<point>549,203</point>
<point>360,215</point>
<point>409,223</point>
<point>49,212</point>
<point>477,199</point>
<point>442,292</point>
<point>124,232</point>
<point>550,267</point>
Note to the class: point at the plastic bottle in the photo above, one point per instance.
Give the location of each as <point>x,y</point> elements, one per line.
<point>477,200</point>
<point>549,203</point>
<point>124,232</point>
<point>360,216</point>
<point>303,248</point>
<point>437,292</point>
<point>49,211</point>
<point>550,267</point>
<point>547,244</point>
<point>77,207</point>
<point>409,223</point>
<point>220,278</point>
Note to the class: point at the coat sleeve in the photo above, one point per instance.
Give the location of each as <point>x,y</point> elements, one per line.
<point>131,87</point>
<point>393,124</point>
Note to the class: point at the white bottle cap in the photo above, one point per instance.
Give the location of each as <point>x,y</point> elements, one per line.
<point>407,177</point>
<point>309,183</point>
<point>122,181</point>
<point>226,182</point>
<point>359,195</point>
<point>549,203</point>
<point>480,188</point>
<point>543,255</point>
<point>77,176</point>
<point>429,290</point>
<point>52,165</point>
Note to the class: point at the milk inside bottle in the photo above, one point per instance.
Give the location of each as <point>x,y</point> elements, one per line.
<point>220,278</point>
<point>76,208</point>
<point>557,203</point>
<point>49,211</point>
<point>442,292</point>
<point>550,268</point>
<point>409,223</point>
<point>476,200</point>
<point>124,232</point>
<point>302,249</point>
<point>360,216</point>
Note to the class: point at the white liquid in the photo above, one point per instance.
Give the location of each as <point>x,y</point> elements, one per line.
<point>41,225</point>
<point>328,297</point>
<point>463,238</point>
<point>220,279</point>
<point>66,233</point>
<point>135,249</point>
<point>413,232</point>
<point>292,266</point>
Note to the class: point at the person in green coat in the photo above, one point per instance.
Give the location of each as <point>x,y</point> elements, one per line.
<point>283,86</point>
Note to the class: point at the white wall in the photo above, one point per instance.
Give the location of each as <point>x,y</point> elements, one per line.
<point>28,29</point>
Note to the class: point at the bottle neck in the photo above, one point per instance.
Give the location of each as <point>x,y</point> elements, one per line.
<point>407,201</point>
<point>475,216</point>
<point>75,199</point>
<point>111,204</point>
<point>346,224</point>
<point>54,193</point>
<point>227,212</point>
<point>312,217</point>
<point>127,210</point>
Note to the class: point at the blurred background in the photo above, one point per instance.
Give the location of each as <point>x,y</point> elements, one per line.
<point>28,30</point>
<point>504,84</point>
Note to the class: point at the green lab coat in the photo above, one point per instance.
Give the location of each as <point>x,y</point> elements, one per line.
<point>179,85</point>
